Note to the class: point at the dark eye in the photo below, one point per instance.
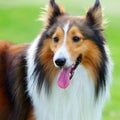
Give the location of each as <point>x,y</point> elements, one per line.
<point>76,39</point>
<point>56,39</point>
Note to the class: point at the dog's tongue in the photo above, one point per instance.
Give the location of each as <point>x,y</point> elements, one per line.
<point>63,78</point>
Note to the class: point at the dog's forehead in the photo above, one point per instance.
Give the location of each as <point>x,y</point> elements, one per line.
<point>68,22</point>
<point>77,21</point>
<point>72,20</point>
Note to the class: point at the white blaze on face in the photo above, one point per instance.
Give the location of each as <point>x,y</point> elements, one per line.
<point>62,52</point>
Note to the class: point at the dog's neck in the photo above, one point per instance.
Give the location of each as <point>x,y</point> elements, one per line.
<point>77,102</point>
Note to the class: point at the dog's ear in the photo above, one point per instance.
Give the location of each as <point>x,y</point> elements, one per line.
<point>53,11</point>
<point>94,16</point>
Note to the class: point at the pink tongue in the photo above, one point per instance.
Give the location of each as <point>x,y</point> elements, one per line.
<point>63,78</point>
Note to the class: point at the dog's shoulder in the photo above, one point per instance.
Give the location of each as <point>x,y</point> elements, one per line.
<point>12,80</point>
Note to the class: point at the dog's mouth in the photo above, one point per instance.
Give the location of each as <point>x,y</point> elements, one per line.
<point>66,74</point>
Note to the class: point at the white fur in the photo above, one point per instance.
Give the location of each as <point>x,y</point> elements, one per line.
<point>62,52</point>
<point>31,65</point>
<point>65,29</point>
<point>77,102</point>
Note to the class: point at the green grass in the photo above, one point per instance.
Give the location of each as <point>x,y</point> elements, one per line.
<point>18,23</point>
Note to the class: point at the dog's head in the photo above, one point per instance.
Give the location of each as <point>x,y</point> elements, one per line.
<point>68,41</point>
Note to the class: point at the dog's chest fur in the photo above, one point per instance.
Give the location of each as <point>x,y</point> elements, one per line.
<point>77,102</point>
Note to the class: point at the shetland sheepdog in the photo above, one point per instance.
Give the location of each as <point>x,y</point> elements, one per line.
<point>65,74</point>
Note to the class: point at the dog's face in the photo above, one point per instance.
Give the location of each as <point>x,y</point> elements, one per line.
<point>67,41</point>
<point>73,40</point>
<point>70,40</point>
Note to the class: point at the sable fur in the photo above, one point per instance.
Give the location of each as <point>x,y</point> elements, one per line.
<point>12,81</point>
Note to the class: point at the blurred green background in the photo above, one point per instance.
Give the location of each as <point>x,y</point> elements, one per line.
<point>19,24</point>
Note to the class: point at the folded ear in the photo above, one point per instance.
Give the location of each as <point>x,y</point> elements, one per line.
<point>53,11</point>
<point>94,15</point>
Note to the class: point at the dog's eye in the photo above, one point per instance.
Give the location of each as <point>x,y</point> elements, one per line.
<point>56,39</point>
<point>76,39</point>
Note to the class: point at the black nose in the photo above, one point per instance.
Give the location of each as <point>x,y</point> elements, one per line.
<point>60,62</point>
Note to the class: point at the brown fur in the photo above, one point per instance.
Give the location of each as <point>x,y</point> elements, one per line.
<point>4,101</point>
<point>45,57</point>
<point>9,57</point>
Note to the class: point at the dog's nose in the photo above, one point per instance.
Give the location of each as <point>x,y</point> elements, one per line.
<point>60,62</point>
